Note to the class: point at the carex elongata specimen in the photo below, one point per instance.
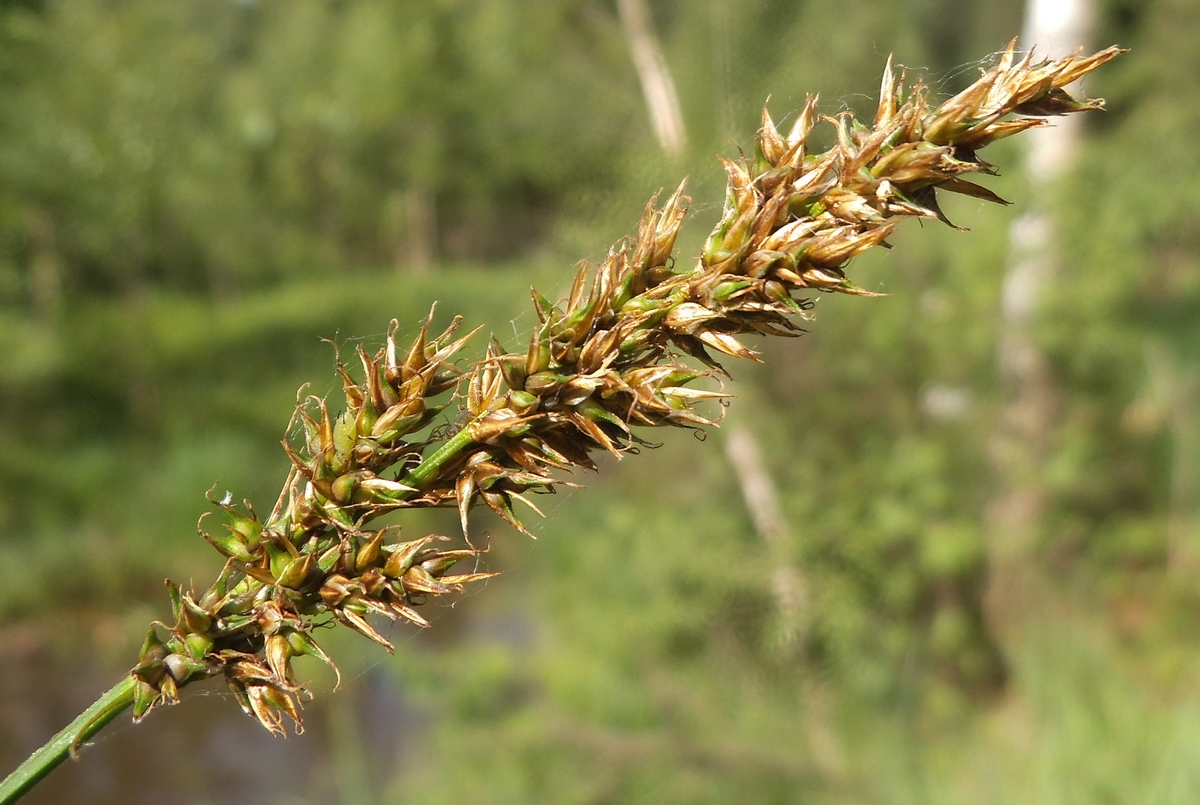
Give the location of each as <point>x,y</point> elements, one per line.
<point>621,353</point>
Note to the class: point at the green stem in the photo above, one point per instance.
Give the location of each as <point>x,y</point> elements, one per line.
<point>428,469</point>
<point>62,745</point>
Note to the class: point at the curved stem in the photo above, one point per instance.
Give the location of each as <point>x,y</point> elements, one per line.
<point>62,745</point>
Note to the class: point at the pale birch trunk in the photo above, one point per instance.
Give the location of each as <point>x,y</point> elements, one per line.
<point>1027,423</point>
<point>741,446</point>
<point>762,503</point>
<point>657,86</point>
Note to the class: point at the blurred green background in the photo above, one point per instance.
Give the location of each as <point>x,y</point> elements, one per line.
<point>193,194</point>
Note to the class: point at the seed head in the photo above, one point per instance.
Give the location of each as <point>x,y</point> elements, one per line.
<point>603,363</point>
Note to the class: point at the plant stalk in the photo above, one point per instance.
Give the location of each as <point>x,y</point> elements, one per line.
<point>64,744</point>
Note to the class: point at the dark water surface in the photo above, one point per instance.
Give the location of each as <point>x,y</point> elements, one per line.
<point>204,750</point>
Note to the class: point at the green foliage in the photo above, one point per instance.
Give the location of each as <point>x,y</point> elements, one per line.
<point>221,146</point>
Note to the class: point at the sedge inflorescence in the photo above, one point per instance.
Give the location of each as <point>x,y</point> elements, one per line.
<point>608,360</point>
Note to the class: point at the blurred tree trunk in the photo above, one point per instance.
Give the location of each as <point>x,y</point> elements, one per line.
<point>657,86</point>
<point>762,503</point>
<point>741,446</point>
<point>1025,432</point>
